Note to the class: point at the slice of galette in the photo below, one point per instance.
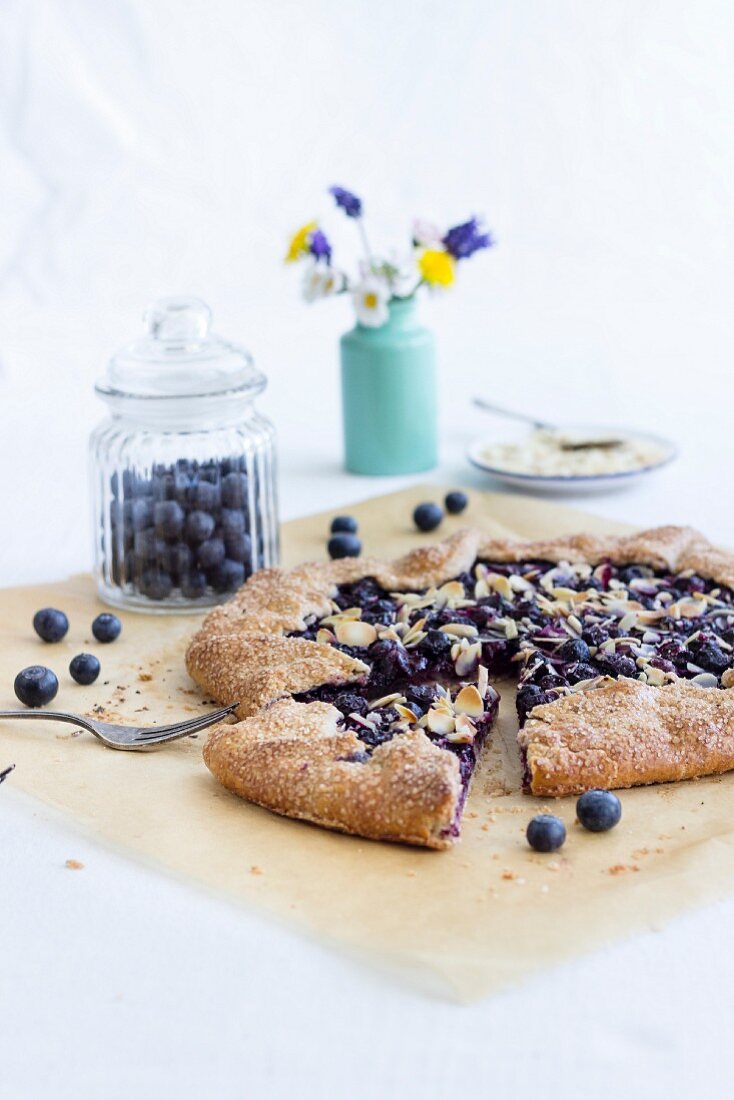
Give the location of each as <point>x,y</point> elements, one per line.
<point>364,685</point>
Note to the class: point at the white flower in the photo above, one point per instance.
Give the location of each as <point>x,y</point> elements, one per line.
<point>426,234</point>
<point>321,282</point>
<point>370,302</point>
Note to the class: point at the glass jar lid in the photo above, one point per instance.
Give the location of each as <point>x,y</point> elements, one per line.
<point>179,357</point>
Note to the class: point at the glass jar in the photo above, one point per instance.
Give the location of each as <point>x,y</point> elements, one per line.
<point>183,469</point>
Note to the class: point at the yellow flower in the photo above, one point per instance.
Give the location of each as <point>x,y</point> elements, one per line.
<point>299,243</point>
<point>437,267</point>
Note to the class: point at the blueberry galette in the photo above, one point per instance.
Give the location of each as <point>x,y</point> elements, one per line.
<point>364,685</point>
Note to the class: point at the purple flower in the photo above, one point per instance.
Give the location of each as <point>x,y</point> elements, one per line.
<point>462,241</point>
<point>318,246</point>
<point>350,204</point>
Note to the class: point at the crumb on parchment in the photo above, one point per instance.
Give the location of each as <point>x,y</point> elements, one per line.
<point>255,870</point>
<point>74,864</point>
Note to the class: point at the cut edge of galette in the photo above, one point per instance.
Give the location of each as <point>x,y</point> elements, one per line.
<point>364,685</point>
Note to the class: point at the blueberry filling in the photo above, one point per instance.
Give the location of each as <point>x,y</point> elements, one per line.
<point>562,628</point>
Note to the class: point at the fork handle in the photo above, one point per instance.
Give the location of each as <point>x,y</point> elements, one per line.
<point>49,716</point>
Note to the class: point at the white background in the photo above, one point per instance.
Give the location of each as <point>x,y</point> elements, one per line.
<point>171,147</point>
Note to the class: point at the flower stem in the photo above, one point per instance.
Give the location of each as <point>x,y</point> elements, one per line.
<point>365,242</point>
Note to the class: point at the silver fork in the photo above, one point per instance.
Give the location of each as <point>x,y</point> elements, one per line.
<point>130,738</point>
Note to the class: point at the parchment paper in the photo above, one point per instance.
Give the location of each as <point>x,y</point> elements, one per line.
<point>461,923</point>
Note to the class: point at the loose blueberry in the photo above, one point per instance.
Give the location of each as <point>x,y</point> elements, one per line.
<point>233,521</point>
<point>199,526</point>
<point>155,583</point>
<point>142,514</point>
<point>206,496</point>
<point>210,553</point>
<point>238,547</point>
<point>546,833</point>
<point>193,585</point>
<point>456,502</point>
<point>35,686</point>
<point>50,624</point>
<point>168,517</point>
<point>178,558</point>
<point>347,524</point>
<point>106,627</point>
<point>598,810</point>
<point>227,577</point>
<point>234,490</point>
<point>343,545</point>
<point>427,517</point>
<point>84,668</point>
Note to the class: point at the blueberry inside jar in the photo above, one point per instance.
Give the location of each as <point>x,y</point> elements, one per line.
<point>183,468</point>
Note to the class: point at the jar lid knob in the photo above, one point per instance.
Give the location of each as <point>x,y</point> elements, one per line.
<point>178,319</point>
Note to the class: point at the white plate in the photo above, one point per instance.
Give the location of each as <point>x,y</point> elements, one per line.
<point>577,483</point>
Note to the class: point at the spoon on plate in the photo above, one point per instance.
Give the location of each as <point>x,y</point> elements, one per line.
<point>606,444</point>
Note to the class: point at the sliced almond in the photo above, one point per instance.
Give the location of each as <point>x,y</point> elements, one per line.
<point>440,722</point>
<point>482,680</point>
<point>346,616</point>
<point>469,701</point>
<point>388,700</point>
<point>464,733</point>
<point>452,590</point>
<point>467,659</point>
<point>575,624</point>
<point>481,590</point>
<point>655,676</point>
<point>727,679</point>
<point>460,630</point>
<point>406,713</point>
<point>510,629</point>
<point>326,637</point>
<point>518,583</point>
<point>498,582</point>
<point>691,609</point>
<point>705,680</point>
<point>628,621</point>
<point>356,633</point>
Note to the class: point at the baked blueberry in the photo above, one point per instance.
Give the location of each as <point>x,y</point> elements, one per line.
<point>343,545</point>
<point>210,553</point>
<point>344,523</point>
<point>234,490</point>
<point>50,624</point>
<point>106,627</point>
<point>598,810</point>
<point>199,526</point>
<point>84,668</point>
<point>348,702</point>
<point>546,833</point>
<point>168,516</point>
<point>427,517</point>
<point>456,502</point>
<point>36,686</point>
<point>574,650</point>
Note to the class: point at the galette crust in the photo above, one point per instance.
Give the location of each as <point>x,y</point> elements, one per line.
<point>289,756</point>
<point>263,665</point>
<point>292,759</point>
<point>626,734</point>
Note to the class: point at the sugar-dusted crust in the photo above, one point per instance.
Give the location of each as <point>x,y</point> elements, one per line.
<point>292,758</point>
<point>289,757</point>
<point>240,653</point>
<point>627,733</point>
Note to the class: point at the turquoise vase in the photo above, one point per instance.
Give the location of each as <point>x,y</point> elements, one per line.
<point>389,395</point>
